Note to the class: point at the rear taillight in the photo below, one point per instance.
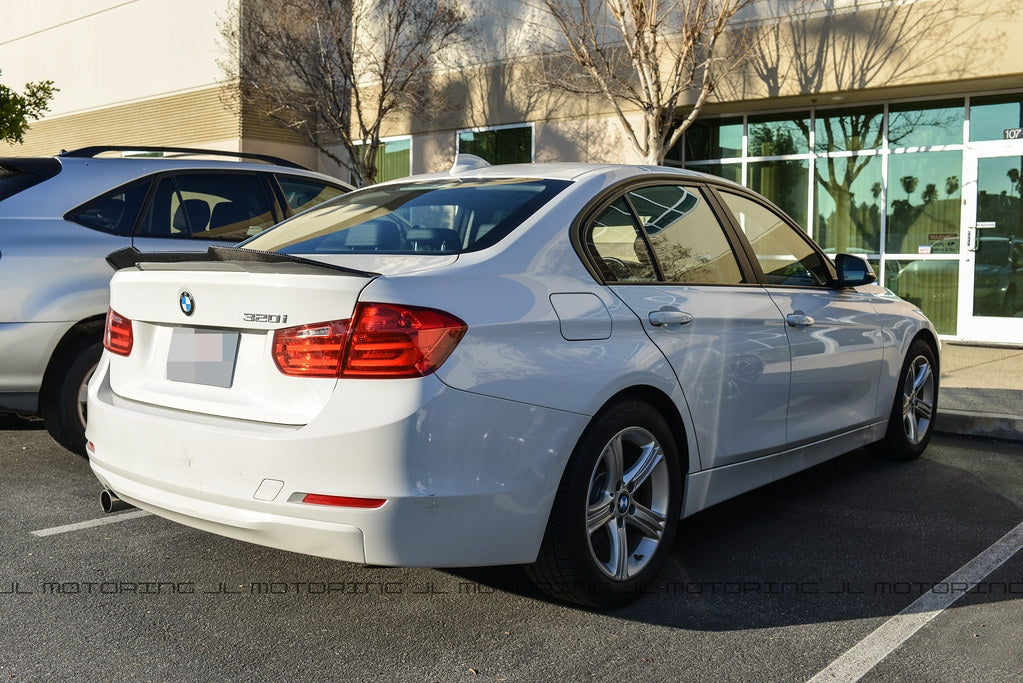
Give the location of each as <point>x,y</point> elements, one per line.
<point>381,340</point>
<point>311,350</point>
<point>117,335</point>
<point>400,341</point>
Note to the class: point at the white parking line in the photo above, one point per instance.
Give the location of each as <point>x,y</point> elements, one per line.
<point>112,519</point>
<point>863,656</point>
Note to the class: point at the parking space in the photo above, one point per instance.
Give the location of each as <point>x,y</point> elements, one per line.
<point>775,585</point>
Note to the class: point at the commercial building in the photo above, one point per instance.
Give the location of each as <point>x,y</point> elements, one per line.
<point>888,129</point>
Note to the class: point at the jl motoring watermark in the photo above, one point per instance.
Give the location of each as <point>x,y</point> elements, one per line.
<point>234,589</point>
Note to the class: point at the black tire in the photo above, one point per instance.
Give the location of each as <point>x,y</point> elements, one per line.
<point>62,401</point>
<point>911,422</point>
<point>594,518</point>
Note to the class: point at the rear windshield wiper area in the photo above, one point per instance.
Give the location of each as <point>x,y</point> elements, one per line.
<point>271,261</point>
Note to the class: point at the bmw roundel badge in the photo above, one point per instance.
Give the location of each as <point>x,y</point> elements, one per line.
<point>187,303</point>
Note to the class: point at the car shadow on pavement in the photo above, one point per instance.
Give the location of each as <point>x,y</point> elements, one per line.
<point>20,422</point>
<point>856,537</point>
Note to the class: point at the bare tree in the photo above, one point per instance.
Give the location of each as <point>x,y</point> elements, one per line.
<point>334,70</point>
<point>660,58</point>
<point>827,46</point>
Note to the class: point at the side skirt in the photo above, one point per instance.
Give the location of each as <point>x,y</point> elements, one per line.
<point>710,487</point>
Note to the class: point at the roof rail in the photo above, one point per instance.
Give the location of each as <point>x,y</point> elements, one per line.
<point>89,152</point>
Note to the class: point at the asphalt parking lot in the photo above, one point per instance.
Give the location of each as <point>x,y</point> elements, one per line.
<point>776,585</point>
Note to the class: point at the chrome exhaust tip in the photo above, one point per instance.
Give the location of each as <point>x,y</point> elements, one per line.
<point>111,503</point>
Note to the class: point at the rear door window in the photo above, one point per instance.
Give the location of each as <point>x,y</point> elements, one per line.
<point>209,206</point>
<point>622,255</point>
<point>685,235</point>
<point>662,233</point>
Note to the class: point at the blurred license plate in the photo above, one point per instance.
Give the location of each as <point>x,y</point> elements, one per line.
<point>201,356</point>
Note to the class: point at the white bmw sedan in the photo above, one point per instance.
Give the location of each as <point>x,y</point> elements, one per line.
<point>538,364</point>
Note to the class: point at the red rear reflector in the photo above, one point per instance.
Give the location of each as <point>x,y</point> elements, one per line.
<point>117,335</point>
<point>343,501</point>
<point>383,340</point>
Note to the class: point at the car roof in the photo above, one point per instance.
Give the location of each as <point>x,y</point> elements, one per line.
<point>82,177</point>
<point>572,171</point>
<point>181,158</point>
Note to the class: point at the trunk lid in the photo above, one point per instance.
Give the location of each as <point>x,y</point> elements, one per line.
<point>203,334</point>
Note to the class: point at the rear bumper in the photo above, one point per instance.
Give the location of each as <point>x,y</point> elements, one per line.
<point>469,480</point>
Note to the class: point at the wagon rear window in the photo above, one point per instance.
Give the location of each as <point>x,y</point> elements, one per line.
<point>20,174</point>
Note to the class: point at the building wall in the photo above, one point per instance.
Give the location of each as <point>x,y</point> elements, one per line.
<point>821,53</point>
<point>142,72</point>
<point>146,72</point>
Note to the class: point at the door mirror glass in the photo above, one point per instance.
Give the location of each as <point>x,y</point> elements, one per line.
<point>853,271</point>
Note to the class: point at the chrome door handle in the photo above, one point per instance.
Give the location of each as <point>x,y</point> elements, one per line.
<point>661,318</point>
<point>799,319</point>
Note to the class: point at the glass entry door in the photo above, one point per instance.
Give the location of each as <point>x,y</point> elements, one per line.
<point>991,265</point>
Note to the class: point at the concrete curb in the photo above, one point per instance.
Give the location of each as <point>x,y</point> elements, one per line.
<point>964,423</point>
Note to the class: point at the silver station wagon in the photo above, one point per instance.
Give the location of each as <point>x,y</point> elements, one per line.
<point>60,217</point>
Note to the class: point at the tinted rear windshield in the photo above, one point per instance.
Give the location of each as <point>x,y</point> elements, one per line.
<point>435,217</point>
<point>20,174</point>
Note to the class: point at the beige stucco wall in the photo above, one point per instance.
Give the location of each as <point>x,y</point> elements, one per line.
<point>146,73</point>
<point>103,53</point>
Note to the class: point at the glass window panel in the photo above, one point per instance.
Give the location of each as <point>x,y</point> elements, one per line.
<point>786,183</point>
<point>713,139</point>
<point>615,240</point>
<point>438,216</point>
<point>686,237</point>
<point>222,206</point>
<point>784,254</point>
<point>302,193</point>
<point>924,203</point>
<point>922,125</point>
<point>499,146</point>
<point>779,136</point>
<point>991,116</point>
<point>394,159</point>
<point>114,212</point>
<point>929,284</point>
<point>849,130</point>
<point>847,204</point>
<point>998,268</point>
<point>731,172</point>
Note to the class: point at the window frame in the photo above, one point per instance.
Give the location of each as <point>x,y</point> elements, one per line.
<point>382,149</point>
<point>581,230</point>
<point>727,214</point>
<point>281,198</point>
<point>263,180</point>
<point>491,129</point>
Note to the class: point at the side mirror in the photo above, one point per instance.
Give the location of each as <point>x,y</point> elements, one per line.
<point>853,271</point>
